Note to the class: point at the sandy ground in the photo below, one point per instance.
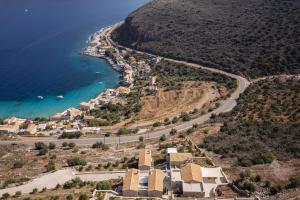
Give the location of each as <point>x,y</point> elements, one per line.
<point>167,104</point>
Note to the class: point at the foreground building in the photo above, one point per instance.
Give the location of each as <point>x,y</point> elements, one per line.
<point>131,183</point>
<point>156,183</point>
<point>192,181</point>
<point>181,177</point>
<point>145,159</point>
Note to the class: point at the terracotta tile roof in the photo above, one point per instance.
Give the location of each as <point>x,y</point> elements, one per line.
<point>145,157</point>
<point>191,173</point>
<point>131,180</point>
<point>180,156</point>
<point>156,180</point>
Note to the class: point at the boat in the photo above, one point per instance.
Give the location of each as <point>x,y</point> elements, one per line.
<point>40,97</point>
<point>60,97</point>
<point>100,83</point>
<point>98,73</point>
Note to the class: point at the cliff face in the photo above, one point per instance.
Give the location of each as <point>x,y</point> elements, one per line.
<point>248,37</point>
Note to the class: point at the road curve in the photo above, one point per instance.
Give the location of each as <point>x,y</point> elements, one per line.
<point>225,106</point>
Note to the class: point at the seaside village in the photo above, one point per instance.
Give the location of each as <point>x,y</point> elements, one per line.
<point>99,45</point>
<point>178,177</point>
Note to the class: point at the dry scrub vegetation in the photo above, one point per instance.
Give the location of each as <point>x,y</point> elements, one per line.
<point>249,37</point>
<point>264,125</point>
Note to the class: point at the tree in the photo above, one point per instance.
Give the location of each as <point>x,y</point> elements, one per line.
<point>40,145</point>
<point>35,190</point>
<point>163,137</point>
<point>173,131</point>
<point>54,197</point>
<point>104,185</point>
<point>141,145</point>
<point>18,193</point>
<point>83,196</point>
<point>71,144</point>
<point>64,144</point>
<point>141,138</point>
<point>76,161</point>
<point>74,135</point>
<point>124,131</point>
<point>294,182</point>
<point>157,124</point>
<point>174,120</point>
<point>43,151</point>
<point>185,117</point>
<point>50,166</point>
<point>52,145</point>
<point>100,145</point>
<point>257,178</point>
<point>5,196</point>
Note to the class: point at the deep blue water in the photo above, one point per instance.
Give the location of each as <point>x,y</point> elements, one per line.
<point>40,42</point>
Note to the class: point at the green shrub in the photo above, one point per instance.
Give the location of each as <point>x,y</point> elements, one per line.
<point>74,135</point>
<point>157,124</point>
<point>83,196</point>
<point>50,166</point>
<point>104,185</point>
<point>18,164</point>
<point>185,117</point>
<point>173,131</point>
<point>5,196</point>
<point>294,182</point>
<point>52,145</point>
<point>76,161</point>
<point>100,145</point>
<point>18,193</point>
<point>163,137</point>
<point>141,145</point>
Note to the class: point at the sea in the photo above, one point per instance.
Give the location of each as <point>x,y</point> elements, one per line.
<point>40,44</point>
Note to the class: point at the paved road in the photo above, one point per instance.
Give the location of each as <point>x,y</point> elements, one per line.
<point>60,177</point>
<point>225,106</point>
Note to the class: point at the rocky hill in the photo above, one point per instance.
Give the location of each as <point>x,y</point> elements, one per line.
<point>265,124</point>
<point>248,37</point>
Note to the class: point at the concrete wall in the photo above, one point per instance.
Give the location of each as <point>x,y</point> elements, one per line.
<point>130,193</point>
<point>143,192</point>
<point>193,194</point>
<point>144,167</point>
<point>155,193</point>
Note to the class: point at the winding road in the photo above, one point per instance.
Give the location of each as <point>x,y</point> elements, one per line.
<point>225,106</point>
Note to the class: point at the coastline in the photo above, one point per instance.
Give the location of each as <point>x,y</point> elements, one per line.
<point>93,43</point>
<point>91,51</point>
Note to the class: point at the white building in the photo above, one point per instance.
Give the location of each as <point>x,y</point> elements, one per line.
<point>91,130</point>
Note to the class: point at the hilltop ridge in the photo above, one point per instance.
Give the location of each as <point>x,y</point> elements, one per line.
<point>246,37</point>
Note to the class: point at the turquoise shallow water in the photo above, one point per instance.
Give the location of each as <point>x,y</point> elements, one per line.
<point>40,42</point>
<point>30,108</point>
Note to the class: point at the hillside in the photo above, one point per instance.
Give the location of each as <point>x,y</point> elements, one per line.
<point>265,124</point>
<point>248,37</point>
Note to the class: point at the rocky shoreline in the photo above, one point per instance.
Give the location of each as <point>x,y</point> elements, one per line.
<point>97,44</point>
